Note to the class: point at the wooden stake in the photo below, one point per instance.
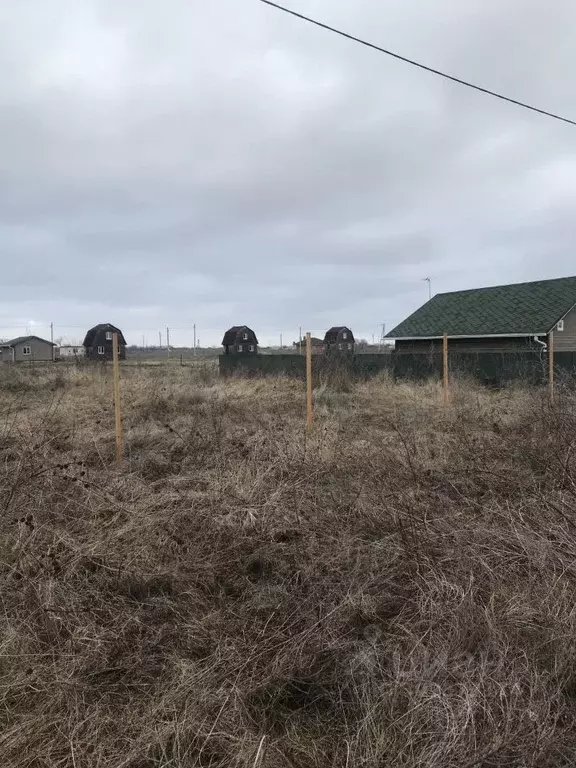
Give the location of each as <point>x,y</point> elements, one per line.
<point>308,381</point>
<point>445,367</point>
<point>551,365</point>
<point>117,411</point>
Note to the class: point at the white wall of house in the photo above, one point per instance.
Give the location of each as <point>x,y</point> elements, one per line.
<point>71,351</point>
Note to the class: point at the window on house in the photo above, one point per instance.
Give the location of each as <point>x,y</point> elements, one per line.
<point>245,337</point>
<point>349,346</point>
<point>108,335</point>
<point>339,346</point>
<point>251,347</point>
<point>26,350</point>
<point>239,347</point>
<point>100,350</point>
<point>344,335</point>
<point>560,326</point>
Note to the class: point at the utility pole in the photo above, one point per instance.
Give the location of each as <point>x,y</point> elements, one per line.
<point>382,336</point>
<point>143,342</point>
<point>281,345</point>
<point>160,338</point>
<point>194,338</point>
<point>52,339</point>
<point>168,340</point>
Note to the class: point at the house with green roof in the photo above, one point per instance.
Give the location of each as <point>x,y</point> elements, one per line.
<point>497,319</point>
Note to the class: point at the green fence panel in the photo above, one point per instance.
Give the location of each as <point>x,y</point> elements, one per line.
<point>490,368</point>
<point>565,363</point>
<point>324,368</point>
<point>417,366</point>
<point>263,365</point>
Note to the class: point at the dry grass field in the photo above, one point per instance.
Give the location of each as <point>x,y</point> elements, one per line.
<point>397,590</point>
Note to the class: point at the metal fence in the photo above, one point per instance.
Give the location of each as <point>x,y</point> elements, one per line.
<point>490,368</point>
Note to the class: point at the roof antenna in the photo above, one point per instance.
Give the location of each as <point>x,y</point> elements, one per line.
<point>429,281</point>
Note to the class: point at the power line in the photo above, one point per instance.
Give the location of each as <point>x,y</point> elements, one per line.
<point>418,64</point>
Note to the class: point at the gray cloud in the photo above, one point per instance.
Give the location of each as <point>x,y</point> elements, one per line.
<point>219,163</point>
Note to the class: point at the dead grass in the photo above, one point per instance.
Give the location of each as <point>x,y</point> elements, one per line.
<point>398,589</point>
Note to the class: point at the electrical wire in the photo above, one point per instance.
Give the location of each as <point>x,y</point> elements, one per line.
<point>426,68</point>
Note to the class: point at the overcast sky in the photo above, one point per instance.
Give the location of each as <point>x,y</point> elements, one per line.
<point>171,162</point>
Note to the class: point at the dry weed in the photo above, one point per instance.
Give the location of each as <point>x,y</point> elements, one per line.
<point>396,589</point>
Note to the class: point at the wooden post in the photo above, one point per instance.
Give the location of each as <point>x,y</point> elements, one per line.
<point>117,411</point>
<point>445,367</point>
<point>551,365</point>
<point>308,381</point>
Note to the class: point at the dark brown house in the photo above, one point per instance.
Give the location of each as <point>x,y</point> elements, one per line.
<point>339,340</point>
<point>240,340</point>
<point>503,318</point>
<point>98,342</point>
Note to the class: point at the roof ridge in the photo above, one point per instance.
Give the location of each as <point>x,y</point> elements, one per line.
<point>506,285</point>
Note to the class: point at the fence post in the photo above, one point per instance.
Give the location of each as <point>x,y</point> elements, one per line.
<point>308,382</point>
<point>445,367</point>
<point>117,411</point>
<point>551,365</point>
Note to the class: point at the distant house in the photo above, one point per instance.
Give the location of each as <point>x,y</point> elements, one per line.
<point>317,345</point>
<point>27,349</point>
<point>503,318</point>
<point>98,342</point>
<point>67,351</point>
<point>240,340</point>
<point>339,339</point>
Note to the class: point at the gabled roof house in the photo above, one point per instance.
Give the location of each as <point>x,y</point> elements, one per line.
<point>316,343</point>
<point>27,349</point>
<point>500,318</point>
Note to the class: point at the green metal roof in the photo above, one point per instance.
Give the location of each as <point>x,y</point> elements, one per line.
<point>520,309</point>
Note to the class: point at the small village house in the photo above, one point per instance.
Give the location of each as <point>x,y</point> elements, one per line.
<point>316,344</point>
<point>339,340</point>
<point>504,318</point>
<point>67,351</point>
<point>240,340</point>
<point>27,349</point>
<point>98,343</point>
